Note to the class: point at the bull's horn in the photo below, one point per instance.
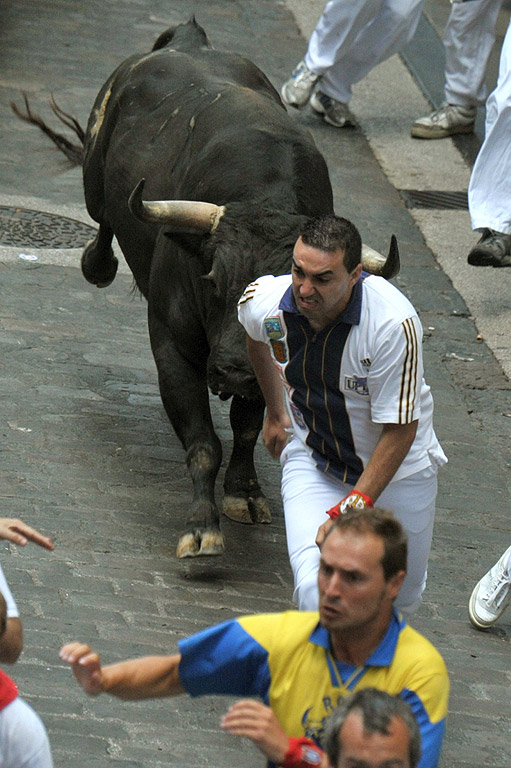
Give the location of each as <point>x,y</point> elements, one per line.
<point>182,215</point>
<point>376,264</point>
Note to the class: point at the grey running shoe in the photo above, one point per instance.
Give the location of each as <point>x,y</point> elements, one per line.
<point>491,594</point>
<point>297,90</point>
<point>334,112</point>
<point>492,250</point>
<point>445,121</point>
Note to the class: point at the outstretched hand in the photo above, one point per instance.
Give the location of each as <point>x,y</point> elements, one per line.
<point>20,533</point>
<point>86,666</point>
<point>257,722</point>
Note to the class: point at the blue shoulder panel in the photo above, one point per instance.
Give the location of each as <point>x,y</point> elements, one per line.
<point>224,659</point>
<point>432,734</point>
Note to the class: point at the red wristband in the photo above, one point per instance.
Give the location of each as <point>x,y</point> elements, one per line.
<point>302,753</point>
<point>355,499</point>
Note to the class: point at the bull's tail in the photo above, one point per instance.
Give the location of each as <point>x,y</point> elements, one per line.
<point>73,152</point>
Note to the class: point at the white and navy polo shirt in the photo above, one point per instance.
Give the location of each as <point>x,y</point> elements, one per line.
<point>347,380</point>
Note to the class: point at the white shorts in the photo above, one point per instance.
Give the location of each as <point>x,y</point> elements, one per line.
<point>307,493</point>
<point>23,739</point>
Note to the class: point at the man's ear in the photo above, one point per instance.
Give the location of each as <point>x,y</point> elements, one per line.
<point>395,583</point>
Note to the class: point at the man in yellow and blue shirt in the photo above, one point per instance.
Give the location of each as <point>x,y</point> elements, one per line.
<point>299,663</point>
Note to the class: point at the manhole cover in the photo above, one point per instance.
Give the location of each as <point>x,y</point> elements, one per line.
<point>415,198</point>
<point>22,228</point>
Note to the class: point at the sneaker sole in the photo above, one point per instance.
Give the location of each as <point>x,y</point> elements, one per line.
<point>423,132</point>
<point>476,621</point>
<point>483,259</point>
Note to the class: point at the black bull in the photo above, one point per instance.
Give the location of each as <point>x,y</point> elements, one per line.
<point>200,125</point>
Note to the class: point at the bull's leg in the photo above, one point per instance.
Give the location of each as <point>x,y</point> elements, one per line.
<point>243,500</point>
<point>99,265</point>
<point>184,394</point>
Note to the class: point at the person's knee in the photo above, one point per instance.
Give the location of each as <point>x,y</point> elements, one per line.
<point>410,597</point>
<point>306,594</point>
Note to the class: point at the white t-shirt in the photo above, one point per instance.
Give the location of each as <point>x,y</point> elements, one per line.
<point>12,608</point>
<point>344,382</point>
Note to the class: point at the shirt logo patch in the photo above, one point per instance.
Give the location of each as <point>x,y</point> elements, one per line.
<point>279,350</point>
<point>273,328</point>
<point>366,362</point>
<point>356,384</point>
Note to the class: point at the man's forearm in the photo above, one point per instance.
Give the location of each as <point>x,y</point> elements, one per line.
<point>146,678</point>
<point>11,641</point>
<point>268,378</point>
<point>388,455</point>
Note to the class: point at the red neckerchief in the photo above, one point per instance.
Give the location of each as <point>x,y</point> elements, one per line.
<point>8,690</point>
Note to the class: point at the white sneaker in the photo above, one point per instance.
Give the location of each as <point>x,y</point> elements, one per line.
<point>334,112</point>
<point>491,594</point>
<point>297,90</point>
<point>445,121</point>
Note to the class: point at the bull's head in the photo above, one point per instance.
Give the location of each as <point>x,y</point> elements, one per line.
<point>195,217</point>
<point>237,245</point>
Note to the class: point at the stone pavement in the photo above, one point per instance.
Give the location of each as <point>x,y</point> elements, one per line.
<point>88,456</point>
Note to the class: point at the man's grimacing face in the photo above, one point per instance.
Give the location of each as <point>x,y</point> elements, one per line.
<point>322,285</point>
<point>359,749</point>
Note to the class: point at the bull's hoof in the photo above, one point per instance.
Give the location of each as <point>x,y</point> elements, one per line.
<point>212,543</point>
<point>246,511</point>
<point>237,508</point>
<point>100,277</point>
<point>195,544</point>
<point>260,509</point>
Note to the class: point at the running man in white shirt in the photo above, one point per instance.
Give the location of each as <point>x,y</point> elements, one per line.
<point>355,423</point>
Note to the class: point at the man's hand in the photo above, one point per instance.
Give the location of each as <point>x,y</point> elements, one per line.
<point>257,722</point>
<point>322,532</point>
<point>86,666</point>
<point>20,533</point>
<point>277,433</point>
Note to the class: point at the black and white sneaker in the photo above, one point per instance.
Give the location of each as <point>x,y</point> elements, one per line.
<point>334,112</point>
<point>492,250</point>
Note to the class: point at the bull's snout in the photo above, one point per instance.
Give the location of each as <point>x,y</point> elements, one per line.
<point>230,380</point>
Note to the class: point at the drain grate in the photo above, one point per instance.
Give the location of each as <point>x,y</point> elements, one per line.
<point>415,198</point>
<point>22,228</point>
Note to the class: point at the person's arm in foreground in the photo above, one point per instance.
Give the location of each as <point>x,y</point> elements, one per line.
<point>145,678</point>
<point>11,640</point>
<point>277,423</point>
<point>20,533</point>
<point>392,447</point>
<point>257,722</point>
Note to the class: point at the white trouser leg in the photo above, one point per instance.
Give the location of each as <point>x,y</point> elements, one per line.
<point>308,493</point>
<point>386,33</point>
<point>23,739</point>
<point>338,26</point>
<point>468,40</point>
<point>489,192</point>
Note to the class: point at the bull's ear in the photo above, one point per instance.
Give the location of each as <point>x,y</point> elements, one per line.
<point>191,243</point>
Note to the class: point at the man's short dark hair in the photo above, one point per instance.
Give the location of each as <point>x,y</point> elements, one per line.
<point>376,709</point>
<point>382,523</point>
<point>331,233</point>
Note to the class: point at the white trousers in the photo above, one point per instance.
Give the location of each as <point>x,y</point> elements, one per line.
<point>489,191</point>
<point>307,493</point>
<point>23,739</point>
<point>469,36</point>
<point>353,36</point>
